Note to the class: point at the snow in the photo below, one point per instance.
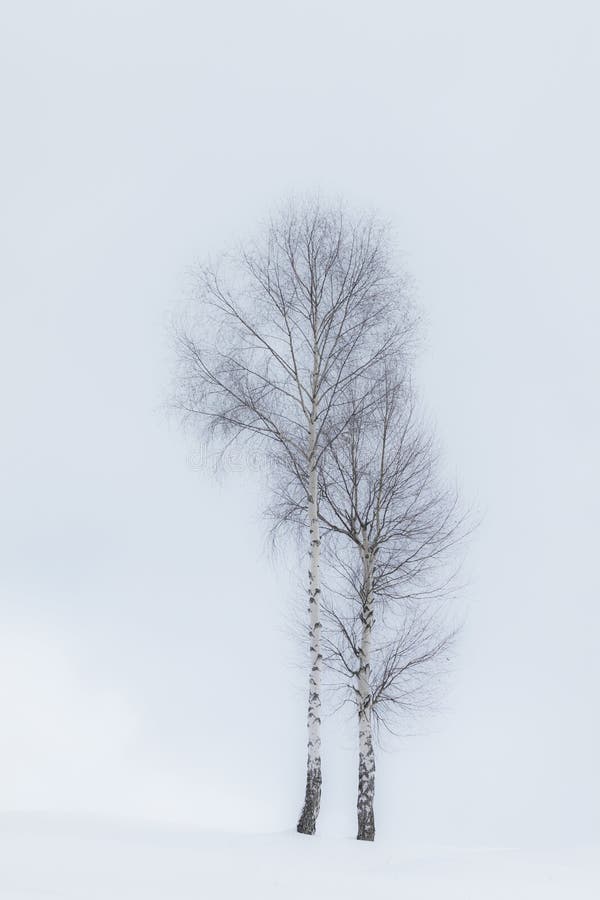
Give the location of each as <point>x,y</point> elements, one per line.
<point>76,858</point>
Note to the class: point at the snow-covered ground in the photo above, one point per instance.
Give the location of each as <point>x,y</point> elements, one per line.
<point>86,859</point>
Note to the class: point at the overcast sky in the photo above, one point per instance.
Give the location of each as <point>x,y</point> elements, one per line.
<point>138,137</point>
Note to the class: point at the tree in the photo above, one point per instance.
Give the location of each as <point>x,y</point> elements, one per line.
<point>275,340</point>
<point>396,528</point>
<point>390,532</point>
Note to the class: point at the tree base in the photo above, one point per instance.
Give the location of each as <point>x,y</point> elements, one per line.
<point>307,823</point>
<point>366,819</point>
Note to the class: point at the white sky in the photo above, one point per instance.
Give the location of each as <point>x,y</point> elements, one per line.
<point>136,138</point>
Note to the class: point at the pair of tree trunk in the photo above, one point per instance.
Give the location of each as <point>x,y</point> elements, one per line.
<point>366,754</point>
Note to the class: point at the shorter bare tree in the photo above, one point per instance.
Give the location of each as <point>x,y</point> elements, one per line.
<point>391,530</point>
<point>394,530</point>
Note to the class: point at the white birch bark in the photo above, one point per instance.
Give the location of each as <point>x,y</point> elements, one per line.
<point>312,801</point>
<point>366,755</point>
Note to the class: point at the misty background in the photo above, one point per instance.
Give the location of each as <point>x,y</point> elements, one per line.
<point>140,137</point>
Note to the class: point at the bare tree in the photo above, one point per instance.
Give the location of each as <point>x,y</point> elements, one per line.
<point>391,530</point>
<point>269,354</point>
<point>395,528</point>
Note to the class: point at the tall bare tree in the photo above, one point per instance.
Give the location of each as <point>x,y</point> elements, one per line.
<point>391,530</point>
<point>278,336</point>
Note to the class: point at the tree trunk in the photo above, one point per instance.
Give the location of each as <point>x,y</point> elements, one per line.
<point>366,779</point>
<point>366,755</point>
<point>307,822</point>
